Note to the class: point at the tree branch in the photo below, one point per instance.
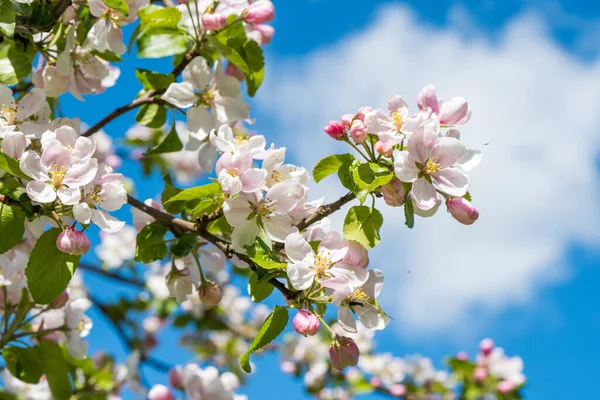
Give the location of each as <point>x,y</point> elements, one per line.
<point>325,211</point>
<point>97,270</point>
<point>151,96</point>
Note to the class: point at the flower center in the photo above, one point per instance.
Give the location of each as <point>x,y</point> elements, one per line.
<point>233,172</point>
<point>322,263</point>
<point>274,178</point>
<point>206,96</point>
<point>58,174</point>
<point>397,119</point>
<point>431,166</point>
<point>9,113</point>
<point>358,296</point>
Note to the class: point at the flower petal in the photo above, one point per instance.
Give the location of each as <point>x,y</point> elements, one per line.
<point>346,320</point>
<point>82,213</point>
<point>30,103</point>
<point>31,165</point>
<point>253,180</point>
<point>40,192</point>
<point>300,275</point>
<point>279,227</point>
<point>284,196</point>
<point>448,150</point>
<point>404,166</point>
<point>298,249</point>
<point>81,173</point>
<point>423,194</point>
<point>69,196</point>
<point>452,181</point>
<point>106,222</point>
<point>199,123</point>
<point>197,73</point>
<point>180,94</point>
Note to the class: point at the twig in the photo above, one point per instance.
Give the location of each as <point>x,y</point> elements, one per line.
<point>325,211</point>
<point>97,270</point>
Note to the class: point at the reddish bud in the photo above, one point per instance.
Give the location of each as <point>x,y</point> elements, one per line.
<point>176,378</point>
<point>376,381</point>
<point>462,356</point>
<point>210,294</point>
<point>335,130</point>
<point>347,120</point>
<point>234,71</point>
<point>398,390</point>
<point>486,346</point>
<point>213,22</point>
<point>384,149</point>
<point>71,241</point>
<point>360,115</point>
<point>306,323</point>
<point>358,132</point>
<point>160,392</point>
<point>265,33</point>
<point>393,193</point>
<point>60,301</point>
<point>462,210</point>
<point>505,387</point>
<point>343,353</point>
<point>259,12</point>
<point>480,374</point>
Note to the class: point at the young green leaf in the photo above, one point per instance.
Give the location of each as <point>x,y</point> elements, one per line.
<point>161,42</point>
<point>154,80</point>
<point>7,18</point>
<point>168,193</point>
<point>370,176</point>
<point>409,213</point>
<point>11,166</point>
<point>151,115</point>
<point>330,165</point>
<point>257,290</point>
<point>184,245</point>
<point>270,329</point>
<point>23,363</point>
<point>150,243</point>
<point>49,270</point>
<point>118,5</point>
<point>52,362</point>
<point>12,226</point>
<point>362,224</point>
<point>169,144</point>
<point>261,256</point>
<point>154,16</point>
<point>196,193</point>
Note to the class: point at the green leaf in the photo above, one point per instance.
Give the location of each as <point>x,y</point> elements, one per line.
<point>150,243</point>
<point>11,165</point>
<point>23,363</point>
<point>259,290</point>
<point>49,270</point>
<point>168,193</point>
<point>233,44</point>
<point>118,5</point>
<point>467,197</point>
<point>196,193</point>
<point>154,80</point>
<point>161,42</point>
<point>409,213</point>
<point>263,257</point>
<point>152,115</point>
<point>270,329</point>
<point>154,16</point>
<point>15,61</point>
<point>204,207</point>
<point>7,18</point>
<point>184,245</point>
<point>54,366</point>
<point>108,55</point>
<point>12,226</point>
<point>346,174</point>
<point>370,176</point>
<point>362,224</point>
<point>169,144</point>
<point>330,165</point>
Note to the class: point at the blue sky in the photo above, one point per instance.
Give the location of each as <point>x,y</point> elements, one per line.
<point>525,274</point>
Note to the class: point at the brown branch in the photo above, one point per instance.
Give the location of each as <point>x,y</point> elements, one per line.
<point>325,211</point>
<point>116,277</point>
<point>151,96</point>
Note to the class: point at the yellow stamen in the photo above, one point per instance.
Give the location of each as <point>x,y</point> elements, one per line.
<point>431,166</point>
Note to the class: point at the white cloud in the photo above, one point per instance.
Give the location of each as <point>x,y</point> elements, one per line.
<point>536,105</point>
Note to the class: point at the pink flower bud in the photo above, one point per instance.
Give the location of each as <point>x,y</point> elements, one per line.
<point>376,381</point>
<point>210,294</point>
<point>343,353</point>
<point>384,149</point>
<point>264,32</point>
<point>234,71</point>
<point>486,346</point>
<point>306,323</point>
<point>259,12</point>
<point>505,387</point>
<point>347,120</point>
<point>160,392</point>
<point>288,367</point>
<point>358,132</point>
<point>393,193</point>
<point>213,22</point>
<point>462,210</point>
<point>398,390</point>
<point>356,255</point>
<point>462,356</point>
<point>360,115</point>
<point>114,161</point>
<point>60,301</point>
<point>73,242</point>
<point>480,374</point>
<point>176,378</point>
<point>335,130</point>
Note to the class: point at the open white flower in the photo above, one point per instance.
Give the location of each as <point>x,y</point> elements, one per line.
<point>78,325</point>
<point>362,301</point>
<point>30,115</point>
<point>225,141</point>
<point>325,265</point>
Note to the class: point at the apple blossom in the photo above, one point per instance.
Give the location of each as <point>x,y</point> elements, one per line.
<point>236,175</point>
<point>213,22</point>
<point>78,325</point>
<point>160,392</point>
<point>210,294</point>
<point>394,194</point>
<point>117,248</point>
<point>225,141</point>
<point>335,130</point>
<point>362,301</point>
<point>462,210</point>
<point>358,132</point>
<point>454,112</point>
<point>14,144</point>
<point>29,115</point>
<point>392,128</point>
<point>261,33</point>
<point>259,12</point>
<point>486,346</point>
